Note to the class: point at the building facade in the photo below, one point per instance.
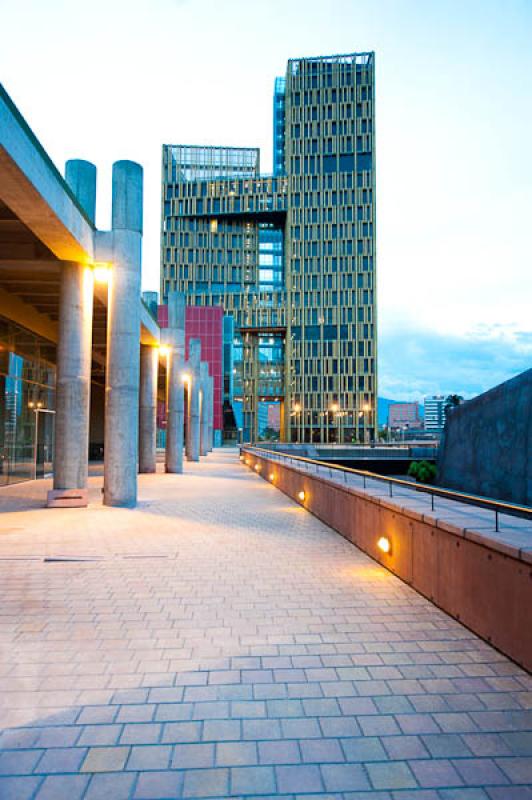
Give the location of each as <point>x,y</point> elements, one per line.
<point>404,415</point>
<point>434,413</point>
<point>289,256</point>
<point>205,324</point>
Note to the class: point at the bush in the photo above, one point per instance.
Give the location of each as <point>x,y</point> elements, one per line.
<point>422,471</point>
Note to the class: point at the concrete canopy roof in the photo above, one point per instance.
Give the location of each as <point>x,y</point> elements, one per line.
<point>42,226</point>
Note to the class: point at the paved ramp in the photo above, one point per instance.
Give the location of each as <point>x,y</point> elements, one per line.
<point>220,641</point>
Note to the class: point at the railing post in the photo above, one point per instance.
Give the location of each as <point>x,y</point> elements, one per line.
<point>432,501</point>
<point>496,520</point>
<point>391,489</point>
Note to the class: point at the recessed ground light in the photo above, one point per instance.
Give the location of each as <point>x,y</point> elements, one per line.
<point>384,544</point>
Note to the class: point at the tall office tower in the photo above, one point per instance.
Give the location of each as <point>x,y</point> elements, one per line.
<point>435,413</point>
<point>290,256</point>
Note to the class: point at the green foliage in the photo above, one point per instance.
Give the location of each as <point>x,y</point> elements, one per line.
<point>452,401</point>
<point>422,471</point>
<point>269,435</point>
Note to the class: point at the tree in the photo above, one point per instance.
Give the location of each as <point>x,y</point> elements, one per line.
<point>422,471</point>
<point>451,401</point>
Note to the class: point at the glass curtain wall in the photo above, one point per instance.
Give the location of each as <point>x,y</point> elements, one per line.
<point>27,404</point>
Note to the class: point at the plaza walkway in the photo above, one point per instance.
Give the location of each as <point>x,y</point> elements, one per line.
<point>220,641</point>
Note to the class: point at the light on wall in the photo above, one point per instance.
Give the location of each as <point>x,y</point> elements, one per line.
<point>101,270</point>
<point>185,377</point>
<point>384,544</point>
<point>258,467</point>
<point>301,495</point>
<point>272,476</point>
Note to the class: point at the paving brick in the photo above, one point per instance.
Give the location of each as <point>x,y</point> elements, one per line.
<point>298,779</point>
<point>378,726</point>
<point>321,751</point>
<point>446,745</point>
<point>252,780</point>
<point>403,747</point>
<point>181,732</point>
<point>19,762</point>
<point>193,756</point>
<point>149,757</point>
<point>480,771</point>
<point>339,726</point>
<point>248,710</point>
<point>110,786</point>
<point>206,783</point>
<point>284,708</point>
<point>97,715</point>
<point>61,759</point>
<point>145,733</point>
<point>105,759</point>
<point>518,770</point>
<point>261,729</point>
<point>18,788</point>
<point>136,713</point>
<point>344,777</point>
<point>305,728</point>
<point>62,787</point>
<point>222,730</point>
<point>167,712</point>
<point>236,754</point>
<point>99,734</point>
<point>435,773</point>
<point>159,786</point>
<point>391,775</point>
<point>279,752</point>
<point>363,748</point>
<point>60,736</point>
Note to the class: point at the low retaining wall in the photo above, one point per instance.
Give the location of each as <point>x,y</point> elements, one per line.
<point>486,589</point>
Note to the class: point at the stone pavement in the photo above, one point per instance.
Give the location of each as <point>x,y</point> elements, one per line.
<point>220,641</point>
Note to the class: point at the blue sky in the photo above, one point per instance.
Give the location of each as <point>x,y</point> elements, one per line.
<point>115,79</point>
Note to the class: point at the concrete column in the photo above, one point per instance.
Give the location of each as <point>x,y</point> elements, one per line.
<point>210,422</point>
<point>193,409</point>
<point>174,339</point>
<point>123,338</point>
<point>81,178</point>
<point>72,411</point>
<point>204,408</point>
<point>149,364</point>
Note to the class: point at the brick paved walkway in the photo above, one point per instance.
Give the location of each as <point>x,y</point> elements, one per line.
<point>219,640</point>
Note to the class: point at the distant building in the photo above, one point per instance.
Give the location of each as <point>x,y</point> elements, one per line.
<point>205,324</point>
<point>274,416</point>
<point>404,415</point>
<point>290,256</point>
<point>435,413</point>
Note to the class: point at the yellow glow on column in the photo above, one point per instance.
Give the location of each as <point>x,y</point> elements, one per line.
<point>101,270</point>
<point>186,377</point>
<point>164,351</point>
<point>384,544</point>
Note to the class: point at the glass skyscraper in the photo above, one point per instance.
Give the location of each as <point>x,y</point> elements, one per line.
<point>290,256</point>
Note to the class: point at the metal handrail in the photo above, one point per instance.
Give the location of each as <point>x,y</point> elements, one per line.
<point>490,504</point>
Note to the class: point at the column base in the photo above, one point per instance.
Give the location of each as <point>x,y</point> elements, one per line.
<point>67,498</point>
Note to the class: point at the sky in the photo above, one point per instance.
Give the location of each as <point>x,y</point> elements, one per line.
<point>115,79</point>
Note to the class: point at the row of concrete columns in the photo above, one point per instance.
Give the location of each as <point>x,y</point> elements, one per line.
<point>131,372</point>
<point>198,413</point>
